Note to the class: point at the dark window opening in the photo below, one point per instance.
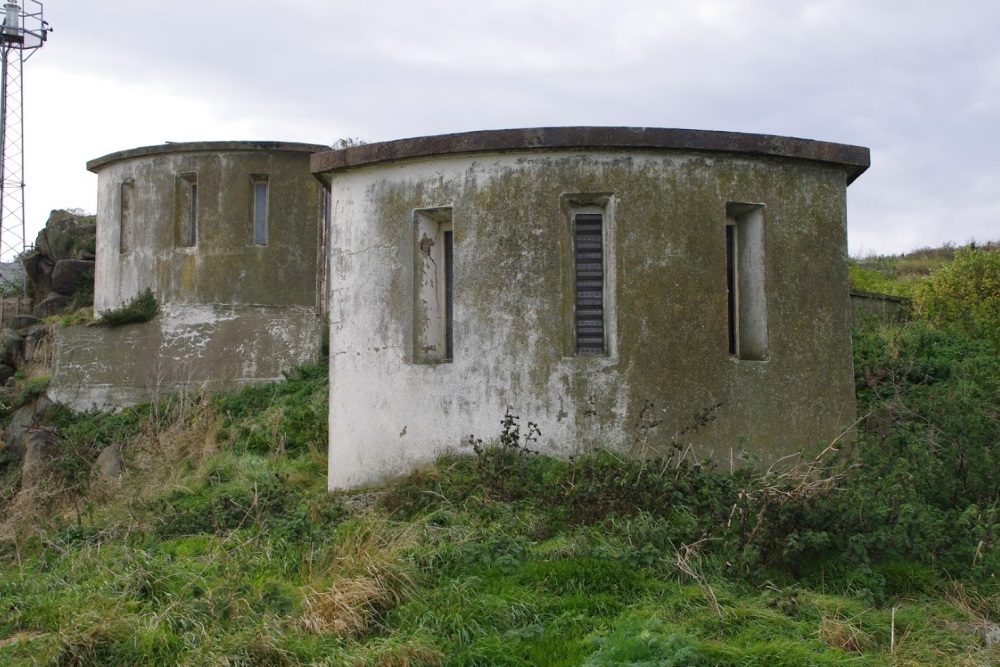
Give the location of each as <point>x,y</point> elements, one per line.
<point>731,285</point>
<point>449,336</point>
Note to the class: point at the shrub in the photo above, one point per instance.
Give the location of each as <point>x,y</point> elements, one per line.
<point>870,279</point>
<point>925,487</point>
<point>964,295</point>
<point>142,308</point>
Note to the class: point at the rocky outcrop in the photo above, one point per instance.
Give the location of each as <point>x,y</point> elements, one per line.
<point>67,236</point>
<point>61,268</point>
<point>60,272</point>
<point>69,276</point>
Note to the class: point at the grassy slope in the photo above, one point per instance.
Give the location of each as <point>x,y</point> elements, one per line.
<point>221,545</point>
<point>900,275</point>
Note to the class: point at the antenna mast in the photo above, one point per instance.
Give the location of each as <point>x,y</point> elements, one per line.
<point>23,32</point>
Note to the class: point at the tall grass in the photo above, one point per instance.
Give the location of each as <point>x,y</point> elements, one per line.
<point>221,545</point>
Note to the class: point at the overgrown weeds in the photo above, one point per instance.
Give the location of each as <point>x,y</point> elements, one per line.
<point>30,389</point>
<point>220,544</point>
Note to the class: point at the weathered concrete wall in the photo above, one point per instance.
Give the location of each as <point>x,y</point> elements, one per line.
<point>883,307</point>
<point>224,265</point>
<point>204,347</point>
<point>513,306</point>
<point>235,307</point>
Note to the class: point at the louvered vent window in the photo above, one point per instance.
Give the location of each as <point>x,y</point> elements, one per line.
<point>588,242</point>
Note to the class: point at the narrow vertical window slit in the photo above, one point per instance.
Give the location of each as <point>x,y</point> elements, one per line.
<point>260,211</point>
<point>746,282</point>
<point>186,212</point>
<point>449,335</point>
<point>126,226</point>
<point>193,216</point>
<point>434,286</point>
<point>731,286</point>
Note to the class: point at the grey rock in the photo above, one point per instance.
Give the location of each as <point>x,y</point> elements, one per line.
<point>27,416</point>
<point>14,450</point>
<point>53,304</point>
<point>39,269</point>
<point>40,447</point>
<point>11,348</point>
<point>35,332</point>
<point>361,502</point>
<point>24,321</point>
<point>37,345</point>
<point>73,275</point>
<point>110,463</point>
<point>65,237</point>
<point>6,373</point>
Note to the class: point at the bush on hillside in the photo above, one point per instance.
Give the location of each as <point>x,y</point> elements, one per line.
<point>868,279</point>
<point>964,295</point>
<point>928,450</point>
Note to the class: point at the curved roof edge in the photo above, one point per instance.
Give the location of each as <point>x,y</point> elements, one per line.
<point>204,146</point>
<point>856,159</point>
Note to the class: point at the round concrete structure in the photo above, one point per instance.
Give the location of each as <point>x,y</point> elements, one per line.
<point>636,288</point>
<point>228,236</point>
<point>152,234</point>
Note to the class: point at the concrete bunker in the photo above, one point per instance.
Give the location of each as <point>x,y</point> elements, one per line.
<point>229,237</point>
<point>625,287</point>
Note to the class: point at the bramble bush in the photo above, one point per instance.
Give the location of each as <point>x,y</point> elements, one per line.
<point>922,487</point>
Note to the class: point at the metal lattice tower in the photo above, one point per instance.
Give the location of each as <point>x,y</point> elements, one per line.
<point>23,32</point>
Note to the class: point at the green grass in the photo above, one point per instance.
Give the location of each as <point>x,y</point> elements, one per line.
<point>245,559</point>
<point>221,544</point>
<point>902,275</point>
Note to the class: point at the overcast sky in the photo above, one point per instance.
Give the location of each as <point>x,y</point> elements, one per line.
<point>917,82</point>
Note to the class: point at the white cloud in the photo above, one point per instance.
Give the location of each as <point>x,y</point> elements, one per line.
<point>915,81</point>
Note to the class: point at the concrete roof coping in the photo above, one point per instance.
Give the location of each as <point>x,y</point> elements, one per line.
<point>855,159</point>
<point>205,146</point>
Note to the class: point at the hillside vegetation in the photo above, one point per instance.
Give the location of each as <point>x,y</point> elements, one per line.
<point>221,546</point>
